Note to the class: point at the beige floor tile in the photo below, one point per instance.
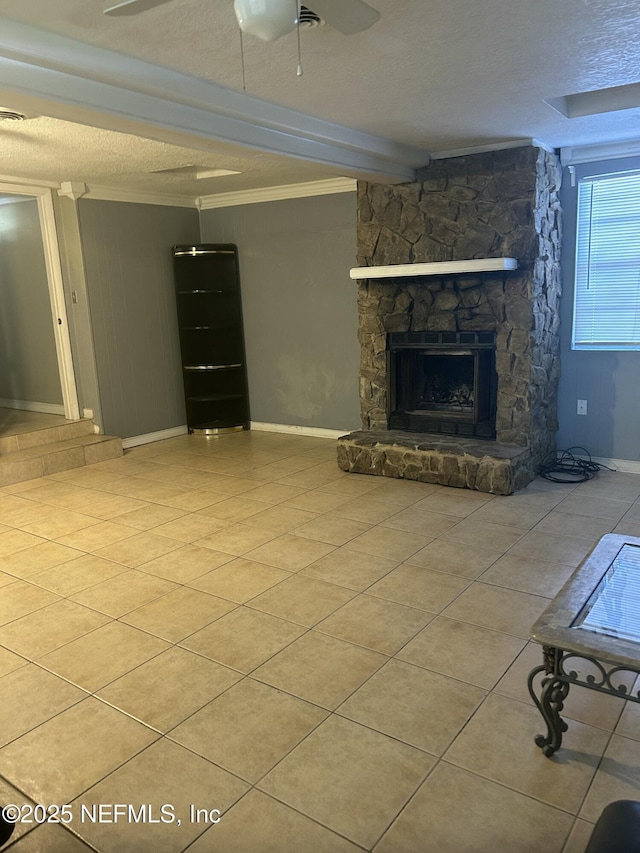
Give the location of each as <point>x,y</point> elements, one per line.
<point>594,506</point>
<point>522,510</point>
<point>185,563</point>
<point>275,493</point>
<point>629,723</point>
<point>312,479</point>
<point>237,539</point>
<point>178,614</point>
<point>97,536</point>
<point>52,763</point>
<point>10,661</point>
<point>45,630</point>
<point>102,656</point>
<point>20,598</point>
<point>350,485</point>
<point>366,509</point>
<point>586,706</point>
<point>318,502</point>
<point>50,837</point>
<point>26,563</point>
<point>456,811</point>
<point>454,558</point>
<point>259,822</point>
<point>190,527</point>
<point>239,580</point>
<point>560,523</point>
<point>163,774</point>
<point>467,652</point>
<point>234,485</point>
<point>418,707</point>
<point>147,515</point>
<point>498,743</point>
<point>169,688</point>
<point>448,501</point>
<point>419,587</point>
<point>15,541</point>
<point>77,574</point>
<point>320,669</point>
<point>497,608</point>
<point>111,507</point>
<point>349,778</point>
<point>568,550</point>
<point>379,625</point>
<point>282,519</point>
<point>351,569</point>
<point>59,523</point>
<point>578,837</point>
<point>243,639</point>
<point>528,574</point>
<point>123,593</point>
<point>385,542</point>
<point>415,519</point>
<point>6,579</point>
<point>29,696</point>
<point>289,552</point>
<point>20,511</point>
<point>613,484</point>
<point>139,549</point>
<point>332,529</point>
<point>302,600</point>
<point>483,534</point>
<point>617,777</point>
<point>234,509</point>
<point>249,729</point>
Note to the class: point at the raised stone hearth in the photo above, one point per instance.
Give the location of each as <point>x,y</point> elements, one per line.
<point>448,460</point>
<point>491,205</point>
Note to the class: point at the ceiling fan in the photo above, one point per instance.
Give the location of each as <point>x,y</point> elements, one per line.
<point>270,19</point>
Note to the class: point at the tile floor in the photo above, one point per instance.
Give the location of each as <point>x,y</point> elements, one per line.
<point>336,663</point>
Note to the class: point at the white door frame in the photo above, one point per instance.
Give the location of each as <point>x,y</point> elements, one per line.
<point>56,291</point>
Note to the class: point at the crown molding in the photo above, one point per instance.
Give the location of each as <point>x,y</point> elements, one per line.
<point>67,79</point>
<point>493,146</point>
<point>9,183</point>
<point>576,154</point>
<point>103,193</point>
<point>284,191</point>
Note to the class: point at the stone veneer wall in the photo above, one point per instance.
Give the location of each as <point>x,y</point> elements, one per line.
<point>495,204</point>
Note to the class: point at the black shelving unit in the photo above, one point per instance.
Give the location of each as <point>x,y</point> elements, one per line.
<point>211,336</point>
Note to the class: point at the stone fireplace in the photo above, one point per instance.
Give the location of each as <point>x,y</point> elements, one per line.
<point>489,418</point>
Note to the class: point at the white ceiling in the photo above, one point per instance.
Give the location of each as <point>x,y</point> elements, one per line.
<point>430,76</point>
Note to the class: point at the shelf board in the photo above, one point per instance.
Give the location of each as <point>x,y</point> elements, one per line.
<point>476,265</point>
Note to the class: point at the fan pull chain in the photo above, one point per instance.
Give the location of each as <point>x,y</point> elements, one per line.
<point>244,75</point>
<point>299,70</point>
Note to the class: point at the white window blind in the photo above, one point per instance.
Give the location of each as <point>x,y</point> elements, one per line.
<point>607,289</point>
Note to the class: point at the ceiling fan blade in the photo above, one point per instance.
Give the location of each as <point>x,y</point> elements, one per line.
<point>348,16</point>
<point>133,7</point>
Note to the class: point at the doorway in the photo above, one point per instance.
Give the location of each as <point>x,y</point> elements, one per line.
<point>35,356</point>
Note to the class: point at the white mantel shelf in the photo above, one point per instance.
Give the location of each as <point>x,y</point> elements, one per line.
<point>441,268</point>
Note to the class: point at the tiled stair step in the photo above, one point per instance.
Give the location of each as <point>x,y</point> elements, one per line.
<point>44,459</point>
<point>47,435</point>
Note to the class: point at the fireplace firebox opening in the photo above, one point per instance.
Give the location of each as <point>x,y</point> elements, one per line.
<point>442,382</point>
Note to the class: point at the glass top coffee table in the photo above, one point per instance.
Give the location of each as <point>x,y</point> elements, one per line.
<point>590,633</point>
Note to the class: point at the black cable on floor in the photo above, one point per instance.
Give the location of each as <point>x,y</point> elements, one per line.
<point>568,468</point>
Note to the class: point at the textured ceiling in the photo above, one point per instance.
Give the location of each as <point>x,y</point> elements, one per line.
<point>436,74</point>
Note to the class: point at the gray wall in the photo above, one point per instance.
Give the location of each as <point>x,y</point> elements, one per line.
<point>28,360</point>
<point>299,305</point>
<point>129,276</point>
<point>608,381</point>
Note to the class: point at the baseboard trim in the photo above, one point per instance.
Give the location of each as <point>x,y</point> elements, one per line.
<point>149,437</point>
<point>625,466</point>
<point>29,406</point>
<point>291,429</point>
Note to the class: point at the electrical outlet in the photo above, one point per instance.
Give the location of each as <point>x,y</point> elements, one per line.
<point>582,407</point>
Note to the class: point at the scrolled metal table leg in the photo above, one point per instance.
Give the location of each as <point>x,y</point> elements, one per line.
<point>551,701</point>
<point>552,698</point>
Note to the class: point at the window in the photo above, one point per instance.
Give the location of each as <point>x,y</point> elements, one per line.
<point>607,288</point>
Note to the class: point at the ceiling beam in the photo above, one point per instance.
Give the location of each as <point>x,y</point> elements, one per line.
<point>70,80</point>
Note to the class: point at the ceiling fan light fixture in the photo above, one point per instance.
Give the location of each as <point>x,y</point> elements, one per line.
<point>267,20</point>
